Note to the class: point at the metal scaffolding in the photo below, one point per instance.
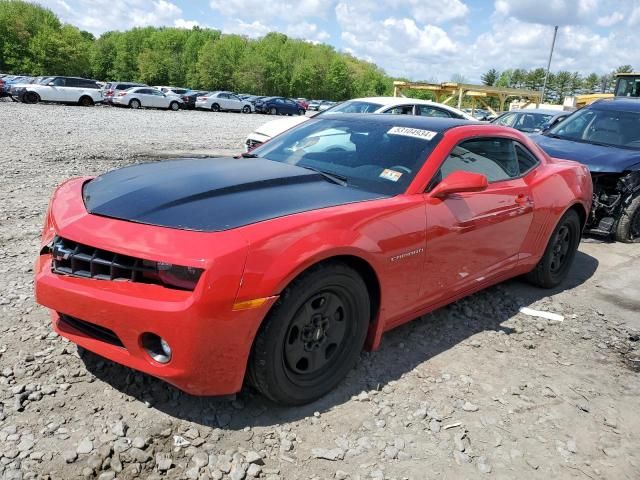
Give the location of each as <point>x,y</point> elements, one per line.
<point>447,91</point>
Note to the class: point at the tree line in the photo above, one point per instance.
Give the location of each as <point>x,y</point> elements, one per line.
<point>559,84</point>
<point>33,41</point>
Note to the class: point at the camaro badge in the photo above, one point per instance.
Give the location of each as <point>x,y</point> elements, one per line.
<point>407,254</point>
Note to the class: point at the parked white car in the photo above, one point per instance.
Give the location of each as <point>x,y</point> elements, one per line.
<point>80,91</point>
<point>175,91</point>
<point>377,105</point>
<point>218,101</point>
<point>147,97</point>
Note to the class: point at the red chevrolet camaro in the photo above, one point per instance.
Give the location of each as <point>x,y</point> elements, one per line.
<point>280,267</point>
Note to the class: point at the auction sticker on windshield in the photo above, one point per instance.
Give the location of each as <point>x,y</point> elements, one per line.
<point>412,132</point>
<point>389,174</point>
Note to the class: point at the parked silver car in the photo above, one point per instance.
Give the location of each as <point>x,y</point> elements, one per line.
<point>147,97</point>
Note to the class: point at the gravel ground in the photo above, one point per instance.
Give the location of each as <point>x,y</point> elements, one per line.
<point>472,390</point>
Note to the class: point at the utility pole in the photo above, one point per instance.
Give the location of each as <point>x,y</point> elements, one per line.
<point>546,76</point>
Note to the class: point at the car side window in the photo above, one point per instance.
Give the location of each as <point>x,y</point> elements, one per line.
<point>87,84</point>
<point>495,158</point>
<point>429,111</point>
<point>401,110</point>
<point>526,160</point>
<point>60,82</point>
<point>506,120</point>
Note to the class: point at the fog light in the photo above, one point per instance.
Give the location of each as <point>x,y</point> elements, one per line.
<point>157,347</point>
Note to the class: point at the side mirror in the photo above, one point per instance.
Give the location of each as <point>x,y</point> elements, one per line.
<point>51,84</point>
<point>460,182</point>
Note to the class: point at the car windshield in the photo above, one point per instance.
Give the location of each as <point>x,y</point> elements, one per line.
<point>379,156</point>
<point>601,127</point>
<point>354,107</point>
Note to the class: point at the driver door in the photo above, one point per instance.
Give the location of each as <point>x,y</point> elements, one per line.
<point>473,236</point>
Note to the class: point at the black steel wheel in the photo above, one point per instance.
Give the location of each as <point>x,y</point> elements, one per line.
<point>628,226</point>
<point>312,336</point>
<point>558,256</point>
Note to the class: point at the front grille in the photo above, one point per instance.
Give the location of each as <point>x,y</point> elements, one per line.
<point>76,259</point>
<point>91,330</point>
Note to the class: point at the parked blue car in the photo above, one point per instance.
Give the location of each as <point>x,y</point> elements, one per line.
<point>605,136</point>
<point>279,106</point>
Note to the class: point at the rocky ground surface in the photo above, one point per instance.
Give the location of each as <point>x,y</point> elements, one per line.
<point>473,390</point>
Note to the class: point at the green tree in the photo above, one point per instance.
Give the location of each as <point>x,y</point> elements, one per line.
<point>217,61</point>
<point>590,83</point>
<point>490,77</point>
<point>339,79</point>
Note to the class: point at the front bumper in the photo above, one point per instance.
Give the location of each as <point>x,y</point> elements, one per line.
<point>209,349</point>
<point>210,341</point>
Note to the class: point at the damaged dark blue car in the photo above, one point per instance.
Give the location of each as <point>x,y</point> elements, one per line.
<point>605,136</point>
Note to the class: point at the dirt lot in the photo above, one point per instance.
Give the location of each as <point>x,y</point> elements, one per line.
<point>473,390</point>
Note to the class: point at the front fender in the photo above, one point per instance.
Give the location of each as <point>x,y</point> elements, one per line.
<point>273,264</point>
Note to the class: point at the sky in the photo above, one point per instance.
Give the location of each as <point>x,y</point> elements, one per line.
<point>431,40</point>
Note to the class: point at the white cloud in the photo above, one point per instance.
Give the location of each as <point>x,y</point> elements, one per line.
<point>307,31</point>
<point>437,11</point>
<point>549,12</point>
<point>250,29</point>
<point>634,18</point>
<point>275,9</point>
<point>610,20</point>
<point>98,16</point>
<point>188,24</point>
<point>400,45</point>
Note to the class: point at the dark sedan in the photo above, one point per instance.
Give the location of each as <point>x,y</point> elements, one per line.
<point>279,106</point>
<point>605,136</point>
<point>189,98</point>
<point>531,120</point>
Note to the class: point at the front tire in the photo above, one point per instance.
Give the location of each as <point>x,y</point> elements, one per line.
<point>246,109</point>
<point>273,111</point>
<point>215,107</point>
<point>558,257</point>
<point>135,103</point>
<point>175,106</point>
<point>628,227</point>
<point>312,337</point>
<point>31,98</point>
<point>85,101</point>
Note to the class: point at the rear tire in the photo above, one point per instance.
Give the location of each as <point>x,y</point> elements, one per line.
<point>273,111</point>
<point>301,112</point>
<point>558,257</point>
<point>31,98</point>
<point>215,107</point>
<point>135,104</point>
<point>175,106</point>
<point>85,101</point>
<point>312,337</point>
<point>628,227</point>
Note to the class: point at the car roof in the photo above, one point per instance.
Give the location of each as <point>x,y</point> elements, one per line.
<point>541,111</point>
<point>630,104</point>
<point>435,124</point>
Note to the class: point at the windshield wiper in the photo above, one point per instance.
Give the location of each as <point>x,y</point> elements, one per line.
<point>249,155</point>
<point>332,177</point>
